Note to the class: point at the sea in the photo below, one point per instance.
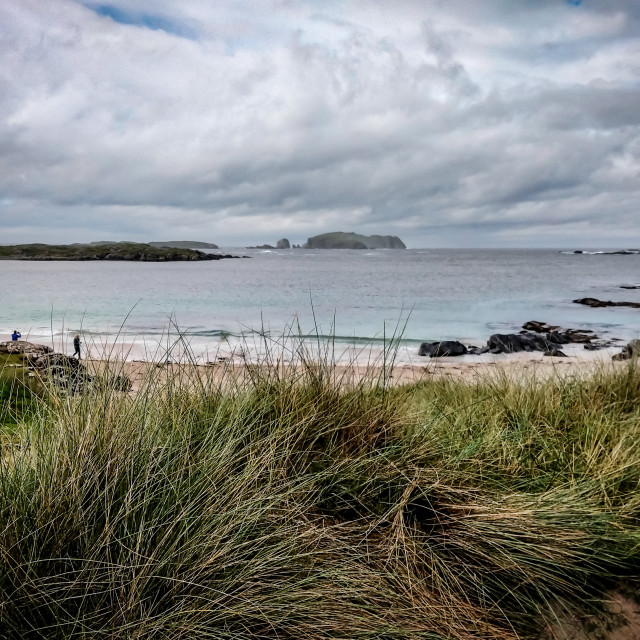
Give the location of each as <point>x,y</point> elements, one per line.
<point>347,304</point>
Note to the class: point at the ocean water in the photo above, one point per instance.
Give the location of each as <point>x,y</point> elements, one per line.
<point>359,298</point>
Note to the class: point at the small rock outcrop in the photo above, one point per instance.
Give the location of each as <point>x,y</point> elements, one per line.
<point>283,243</point>
<point>444,348</point>
<point>594,302</point>
<point>631,350</point>
<point>24,347</point>
<point>61,370</point>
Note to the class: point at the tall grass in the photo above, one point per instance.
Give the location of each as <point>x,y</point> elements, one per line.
<point>289,504</point>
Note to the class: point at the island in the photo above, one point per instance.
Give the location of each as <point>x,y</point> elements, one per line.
<point>283,243</point>
<point>183,244</point>
<point>131,251</point>
<point>343,240</point>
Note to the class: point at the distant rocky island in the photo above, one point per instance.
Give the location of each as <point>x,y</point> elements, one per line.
<point>342,240</point>
<point>183,244</point>
<point>281,244</point>
<point>131,251</point>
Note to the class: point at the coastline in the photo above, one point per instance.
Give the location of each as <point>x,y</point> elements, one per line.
<point>523,366</point>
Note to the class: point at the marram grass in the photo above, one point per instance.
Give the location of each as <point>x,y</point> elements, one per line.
<point>296,506</point>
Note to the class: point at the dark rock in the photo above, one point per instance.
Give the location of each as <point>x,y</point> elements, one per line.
<point>283,244</point>
<point>62,370</point>
<point>630,286</point>
<point>540,327</point>
<point>594,302</point>
<point>444,348</point>
<point>555,352</point>
<point>514,342</point>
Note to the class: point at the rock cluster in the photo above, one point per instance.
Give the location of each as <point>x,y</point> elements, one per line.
<point>535,336</point>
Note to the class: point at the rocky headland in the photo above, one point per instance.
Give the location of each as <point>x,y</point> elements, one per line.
<point>343,240</point>
<point>130,251</point>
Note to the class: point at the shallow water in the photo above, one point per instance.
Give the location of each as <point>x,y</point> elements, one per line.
<point>359,297</point>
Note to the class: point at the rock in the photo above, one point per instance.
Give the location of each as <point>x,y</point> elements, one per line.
<point>555,352</point>
<point>62,370</point>
<point>283,244</point>
<point>342,240</point>
<point>22,346</point>
<point>514,342</point>
<point>630,286</point>
<point>594,302</point>
<point>444,348</point>
<point>540,327</point>
<point>632,350</point>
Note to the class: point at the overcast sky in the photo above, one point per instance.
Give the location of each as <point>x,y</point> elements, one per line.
<point>451,123</point>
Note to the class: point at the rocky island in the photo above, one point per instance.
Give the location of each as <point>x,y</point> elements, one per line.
<point>131,251</point>
<point>342,240</point>
<point>183,244</point>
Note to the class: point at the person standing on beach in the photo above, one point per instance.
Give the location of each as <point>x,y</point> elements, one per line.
<point>15,335</point>
<point>76,346</point>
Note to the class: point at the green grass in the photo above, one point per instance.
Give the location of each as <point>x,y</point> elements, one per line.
<point>294,507</point>
<point>16,391</point>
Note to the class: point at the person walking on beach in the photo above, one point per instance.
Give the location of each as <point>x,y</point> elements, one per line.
<point>76,346</point>
<point>15,335</point>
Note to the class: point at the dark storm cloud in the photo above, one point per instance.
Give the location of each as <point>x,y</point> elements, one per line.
<point>442,123</point>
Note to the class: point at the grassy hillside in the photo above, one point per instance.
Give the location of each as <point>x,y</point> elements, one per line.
<point>297,508</point>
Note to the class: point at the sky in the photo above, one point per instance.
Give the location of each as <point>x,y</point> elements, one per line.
<point>449,123</point>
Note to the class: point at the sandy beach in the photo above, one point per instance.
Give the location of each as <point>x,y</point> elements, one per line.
<point>523,365</point>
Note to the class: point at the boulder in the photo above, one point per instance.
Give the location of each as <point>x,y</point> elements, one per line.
<point>514,342</point>
<point>62,370</point>
<point>631,350</point>
<point>283,244</point>
<point>444,348</point>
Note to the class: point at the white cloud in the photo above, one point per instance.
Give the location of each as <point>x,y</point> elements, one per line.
<point>289,116</point>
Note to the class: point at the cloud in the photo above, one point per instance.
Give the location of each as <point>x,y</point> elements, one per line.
<point>448,124</point>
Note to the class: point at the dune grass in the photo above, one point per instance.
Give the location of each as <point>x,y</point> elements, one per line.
<point>295,506</point>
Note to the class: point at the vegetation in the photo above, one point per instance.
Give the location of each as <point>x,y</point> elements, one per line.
<point>103,251</point>
<point>294,506</point>
<point>17,391</point>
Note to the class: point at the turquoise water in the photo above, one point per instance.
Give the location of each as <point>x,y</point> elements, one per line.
<point>357,296</point>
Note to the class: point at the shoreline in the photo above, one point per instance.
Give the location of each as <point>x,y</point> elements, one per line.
<point>520,366</point>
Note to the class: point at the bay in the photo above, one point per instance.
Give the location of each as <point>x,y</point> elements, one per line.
<point>357,297</point>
